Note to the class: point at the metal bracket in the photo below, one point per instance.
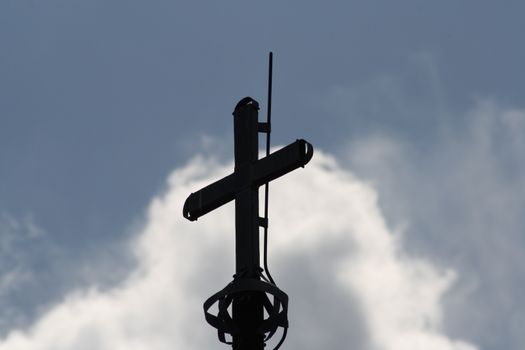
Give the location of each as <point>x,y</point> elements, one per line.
<point>263,222</point>
<point>264,128</point>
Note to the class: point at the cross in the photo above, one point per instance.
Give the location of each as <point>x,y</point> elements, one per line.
<point>247,326</point>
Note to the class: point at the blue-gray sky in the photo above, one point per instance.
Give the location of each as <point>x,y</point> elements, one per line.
<point>101,100</point>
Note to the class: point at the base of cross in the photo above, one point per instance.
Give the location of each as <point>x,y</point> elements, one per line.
<point>247,295</point>
<point>243,303</point>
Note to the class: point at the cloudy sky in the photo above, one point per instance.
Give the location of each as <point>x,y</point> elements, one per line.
<point>405,231</point>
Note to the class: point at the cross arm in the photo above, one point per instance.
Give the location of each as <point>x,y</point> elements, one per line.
<point>277,164</point>
<point>283,161</point>
<point>209,198</point>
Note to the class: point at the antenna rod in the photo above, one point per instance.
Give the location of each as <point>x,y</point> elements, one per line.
<point>267,186</point>
<point>269,111</point>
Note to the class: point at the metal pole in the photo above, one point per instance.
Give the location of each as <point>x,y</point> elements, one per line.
<point>248,307</point>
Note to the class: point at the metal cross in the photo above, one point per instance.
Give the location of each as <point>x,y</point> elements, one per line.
<point>247,293</point>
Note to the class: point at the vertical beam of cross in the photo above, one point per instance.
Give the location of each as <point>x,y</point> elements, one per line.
<point>248,308</point>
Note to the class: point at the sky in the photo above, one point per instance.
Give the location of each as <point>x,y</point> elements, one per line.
<point>405,231</point>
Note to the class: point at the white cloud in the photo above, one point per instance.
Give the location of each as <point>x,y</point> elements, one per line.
<point>464,196</point>
<point>14,234</point>
<point>13,229</point>
<point>348,278</point>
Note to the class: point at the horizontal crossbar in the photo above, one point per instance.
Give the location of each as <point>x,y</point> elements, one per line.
<point>277,164</point>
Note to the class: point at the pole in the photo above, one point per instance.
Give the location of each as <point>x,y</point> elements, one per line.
<point>248,307</point>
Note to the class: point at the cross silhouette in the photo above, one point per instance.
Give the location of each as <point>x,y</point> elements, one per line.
<point>247,292</point>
